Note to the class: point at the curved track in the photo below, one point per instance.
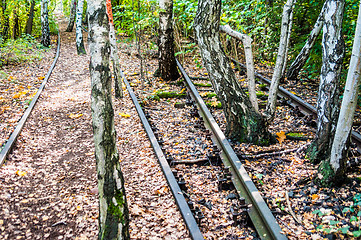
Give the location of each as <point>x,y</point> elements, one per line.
<point>304,107</point>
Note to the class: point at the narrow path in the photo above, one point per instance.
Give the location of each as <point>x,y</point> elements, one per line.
<point>45,187</point>
<point>48,184</point>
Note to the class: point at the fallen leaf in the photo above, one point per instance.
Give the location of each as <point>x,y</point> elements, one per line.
<point>21,173</point>
<point>41,78</point>
<point>126,115</point>
<point>74,116</point>
<point>281,136</point>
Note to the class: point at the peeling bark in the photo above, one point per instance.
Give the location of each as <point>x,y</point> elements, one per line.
<point>45,30</point>
<point>328,94</point>
<point>247,43</point>
<point>281,56</point>
<point>167,65</point>
<point>302,57</point>
<point>341,141</point>
<point>114,53</point>
<point>72,16</point>
<point>79,32</point>
<point>113,210</point>
<point>243,122</point>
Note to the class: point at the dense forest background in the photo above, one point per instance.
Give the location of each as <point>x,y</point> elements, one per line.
<point>259,19</point>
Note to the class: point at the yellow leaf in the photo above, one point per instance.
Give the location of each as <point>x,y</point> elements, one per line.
<point>41,78</point>
<point>20,94</point>
<point>74,116</point>
<point>182,90</point>
<point>314,196</point>
<point>20,173</point>
<point>79,208</point>
<point>214,104</point>
<point>281,136</point>
<point>126,115</point>
<point>293,92</point>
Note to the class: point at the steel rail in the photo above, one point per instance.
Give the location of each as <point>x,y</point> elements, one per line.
<point>261,216</point>
<point>172,182</point>
<point>11,141</point>
<point>304,107</point>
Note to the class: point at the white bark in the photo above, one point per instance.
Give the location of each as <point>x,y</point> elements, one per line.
<point>349,102</point>
<point>79,33</point>
<point>277,74</point>
<point>45,30</point>
<point>247,43</point>
<point>114,54</point>
<point>113,211</point>
<point>287,44</point>
<point>305,51</point>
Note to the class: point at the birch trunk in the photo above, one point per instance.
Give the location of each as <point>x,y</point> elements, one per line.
<point>29,22</point>
<point>45,30</point>
<point>287,44</point>
<point>247,43</point>
<point>79,32</point>
<point>114,53</point>
<point>72,16</point>
<point>277,74</point>
<point>302,57</point>
<point>113,210</point>
<point>336,165</point>
<point>167,65</point>
<point>328,94</point>
<point>243,122</point>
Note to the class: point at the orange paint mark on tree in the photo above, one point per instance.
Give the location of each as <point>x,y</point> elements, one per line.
<point>109,11</point>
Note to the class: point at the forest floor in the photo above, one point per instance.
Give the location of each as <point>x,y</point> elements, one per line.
<point>48,184</point>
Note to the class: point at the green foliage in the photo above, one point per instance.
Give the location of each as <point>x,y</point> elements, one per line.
<point>25,48</point>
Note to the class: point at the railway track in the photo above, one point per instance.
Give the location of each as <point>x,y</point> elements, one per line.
<point>294,101</point>
<point>12,139</point>
<point>233,181</point>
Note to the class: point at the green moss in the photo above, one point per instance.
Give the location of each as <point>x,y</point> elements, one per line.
<point>263,86</point>
<point>203,84</point>
<point>173,94</point>
<point>327,173</point>
<point>218,106</point>
<point>116,210</point>
<point>296,134</point>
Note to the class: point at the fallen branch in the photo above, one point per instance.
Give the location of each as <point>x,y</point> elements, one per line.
<point>290,209</point>
<point>265,155</point>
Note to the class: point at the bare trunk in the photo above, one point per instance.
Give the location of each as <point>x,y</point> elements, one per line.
<point>16,31</point>
<point>113,210</point>
<point>114,53</point>
<point>247,43</point>
<point>5,27</point>
<point>287,44</point>
<point>167,64</point>
<point>72,16</point>
<point>302,57</point>
<point>277,74</point>
<point>243,122</point>
<point>45,31</point>
<point>79,32</point>
<point>29,23</point>
<point>328,94</point>
<point>340,144</point>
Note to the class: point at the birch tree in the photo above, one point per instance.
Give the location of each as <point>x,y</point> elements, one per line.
<point>247,43</point>
<point>244,123</point>
<point>114,52</point>
<point>45,30</point>
<point>302,57</point>
<point>72,16</point>
<point>333,168</point>
<point>113,210</point>
<point>328,93</point>
<point>167,64</point>
<point>281,56</point>
<point>79,32</point>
